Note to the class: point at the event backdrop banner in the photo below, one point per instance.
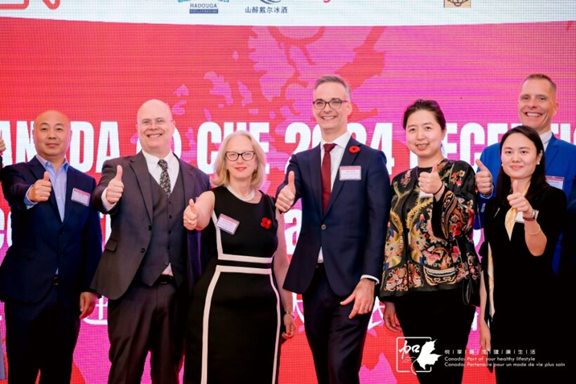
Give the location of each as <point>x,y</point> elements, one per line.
<point>226,65</point>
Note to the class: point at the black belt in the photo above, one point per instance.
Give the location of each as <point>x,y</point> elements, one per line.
<point>55,280</point>
<point>164,279</point>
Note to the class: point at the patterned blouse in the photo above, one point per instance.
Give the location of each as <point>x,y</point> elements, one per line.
<point>429,243</point>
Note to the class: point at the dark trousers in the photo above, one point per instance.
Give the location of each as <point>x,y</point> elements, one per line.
<point>41,337</point>
<point>147,319</point>
<point>336,341</point>
<point>442,317</point>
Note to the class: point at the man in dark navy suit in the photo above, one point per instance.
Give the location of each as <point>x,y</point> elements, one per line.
<point>56,246</point>
<point>344,187</point>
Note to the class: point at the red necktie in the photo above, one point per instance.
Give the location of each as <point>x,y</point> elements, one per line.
<point>326,175</point>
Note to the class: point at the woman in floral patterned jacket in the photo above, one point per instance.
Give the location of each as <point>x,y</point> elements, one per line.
<point>429,250</point>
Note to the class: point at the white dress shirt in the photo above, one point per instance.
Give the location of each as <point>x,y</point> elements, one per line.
<point>336,155</point>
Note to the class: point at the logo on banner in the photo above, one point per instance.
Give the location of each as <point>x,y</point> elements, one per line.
<point>415,354</point>
<point>457,3</point>
<point>23,4</point>
<point>203,8</point>
<point>273,7</point>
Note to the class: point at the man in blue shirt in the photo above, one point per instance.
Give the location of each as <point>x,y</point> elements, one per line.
<point>56,246</point>
<point>537,106</point>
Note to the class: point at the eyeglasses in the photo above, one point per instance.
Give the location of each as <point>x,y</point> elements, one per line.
<point>334,103</point>
<point>246,156</point>
<point>147,123</point>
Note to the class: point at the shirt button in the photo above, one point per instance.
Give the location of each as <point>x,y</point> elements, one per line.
<point>323,227</point>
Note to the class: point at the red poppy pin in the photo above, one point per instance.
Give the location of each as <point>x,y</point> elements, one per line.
<point>266,223</point>
<point>354,149</point>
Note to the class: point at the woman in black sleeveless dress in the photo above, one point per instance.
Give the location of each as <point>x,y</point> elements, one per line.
<point>238,306</point>
<point>521,311</point>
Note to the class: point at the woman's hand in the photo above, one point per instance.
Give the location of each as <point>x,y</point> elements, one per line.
<point>485,336</point>
<point>190,216</point>
<point>429,182</point>
<point>390,319</point>
<point>289,324</point>
<point>518,201</point>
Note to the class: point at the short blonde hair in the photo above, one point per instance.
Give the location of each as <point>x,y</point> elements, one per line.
<point>221,176</point>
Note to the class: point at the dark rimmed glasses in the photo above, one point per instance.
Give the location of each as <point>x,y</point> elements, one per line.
<point>233,156</point>
<point>334,103</point>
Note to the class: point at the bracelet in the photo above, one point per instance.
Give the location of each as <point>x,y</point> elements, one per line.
<point>535,233</point>
<point>289,313</point>
<point>442,186</point>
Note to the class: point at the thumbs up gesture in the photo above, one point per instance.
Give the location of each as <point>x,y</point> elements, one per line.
<point>518,201</point>
<point>115,187</point>
<point>483,179</point>
<point>287,194</point>
<point>191,216</point>
<point>41,189</point>
<point>2,145</point>
<point>430,182</point>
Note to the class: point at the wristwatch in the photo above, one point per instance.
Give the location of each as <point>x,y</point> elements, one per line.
<point>532,217</point>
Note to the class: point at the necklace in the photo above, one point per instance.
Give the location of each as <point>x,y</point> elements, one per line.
<point>250,197</point>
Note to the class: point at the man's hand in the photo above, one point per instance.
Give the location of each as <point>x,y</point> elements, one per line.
<point>40,190</point>
<point>287,195</point>
<point>363,298</point>
<point>2,145</point>
<point>483,179</point>
<point>87,304</point>
<point>115,187</point>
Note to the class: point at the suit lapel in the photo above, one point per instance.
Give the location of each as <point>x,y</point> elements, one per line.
<point>315,168</point>
<point>551,151</point>
<point>140,168</point>
<point>347,159</point>
<point>189,181</point>
<point>38,171</point>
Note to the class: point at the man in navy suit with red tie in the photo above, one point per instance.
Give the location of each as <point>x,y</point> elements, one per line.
<point>344,187</point>
<point>56,246</point>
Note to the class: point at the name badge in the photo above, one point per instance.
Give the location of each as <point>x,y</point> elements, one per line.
<point>227,224</point>
<point>555,181</point>
<point>81,197</point>
<point>519,218</point>
<point>351,172</point>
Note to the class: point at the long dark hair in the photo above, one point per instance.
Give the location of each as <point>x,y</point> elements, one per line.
<point>538,179</point>
<point>431,106</point>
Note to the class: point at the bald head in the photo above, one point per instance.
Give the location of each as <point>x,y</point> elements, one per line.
<point>52,136</point>
<point>155,127</point>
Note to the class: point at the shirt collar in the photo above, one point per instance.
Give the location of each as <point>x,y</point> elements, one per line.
<point>45,163</point>
<point>152,161</point>
<point>545,137</point>
<point>341,141</point>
